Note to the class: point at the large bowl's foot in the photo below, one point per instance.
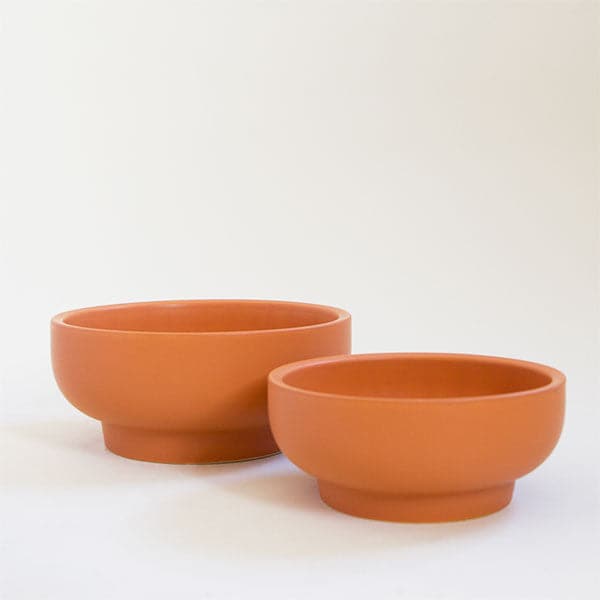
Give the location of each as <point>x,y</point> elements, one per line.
<point>188,447</point>
<point>416,508</point>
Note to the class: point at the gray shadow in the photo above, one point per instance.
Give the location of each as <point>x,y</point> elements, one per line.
<point>71,453</point>
<point>239,511</point>
<point>276,513</point>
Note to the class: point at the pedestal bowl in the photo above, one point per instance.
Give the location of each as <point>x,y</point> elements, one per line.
<point>416,437</point>
<point>186,381</point>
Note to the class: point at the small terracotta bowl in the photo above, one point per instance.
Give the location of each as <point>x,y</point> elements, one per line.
<point>186,381</point>
<point>416,437</point>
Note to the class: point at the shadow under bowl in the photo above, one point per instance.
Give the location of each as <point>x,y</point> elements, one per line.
<point>186,381</point>
<point>416,437</point>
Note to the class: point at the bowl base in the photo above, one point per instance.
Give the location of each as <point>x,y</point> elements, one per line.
<point>188,447</point>
<point>416,508</point>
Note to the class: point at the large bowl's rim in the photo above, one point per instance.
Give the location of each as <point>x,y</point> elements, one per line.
<point>277,376</point>
<point>60,318</point>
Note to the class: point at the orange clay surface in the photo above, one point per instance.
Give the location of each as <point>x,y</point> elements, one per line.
<point>416,437</point>
<point>186,381</point>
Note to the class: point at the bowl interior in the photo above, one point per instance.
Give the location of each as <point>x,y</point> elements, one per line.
<point>418,377</point>
<point>202,316</point>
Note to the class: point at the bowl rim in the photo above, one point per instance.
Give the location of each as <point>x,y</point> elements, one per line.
<point>60,318</point>
<point>277,375</point>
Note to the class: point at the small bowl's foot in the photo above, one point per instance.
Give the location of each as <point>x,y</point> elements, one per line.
<point>188,447</point>
<point>416,508</point>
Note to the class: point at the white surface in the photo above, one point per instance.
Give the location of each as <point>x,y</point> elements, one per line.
<point>431,167</point>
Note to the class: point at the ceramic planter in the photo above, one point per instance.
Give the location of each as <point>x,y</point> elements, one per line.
<point>186,381</point>
<point>416,437</point>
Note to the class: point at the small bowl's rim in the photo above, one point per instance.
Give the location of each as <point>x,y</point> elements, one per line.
<point>277,375</point>
<point>59,319</point>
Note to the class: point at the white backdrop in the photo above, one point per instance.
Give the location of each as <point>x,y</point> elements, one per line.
<point>431,167</point>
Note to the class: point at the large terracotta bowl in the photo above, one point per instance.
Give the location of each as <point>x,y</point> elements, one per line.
<point>186,381</point>
<point>416,437</point>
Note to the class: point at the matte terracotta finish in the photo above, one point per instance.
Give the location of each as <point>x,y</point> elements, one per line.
<point>186,381</point>
<point>416,437</point>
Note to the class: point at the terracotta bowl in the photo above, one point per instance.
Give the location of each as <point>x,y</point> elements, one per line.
<point>416,437</point>
<point>186,381</point>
